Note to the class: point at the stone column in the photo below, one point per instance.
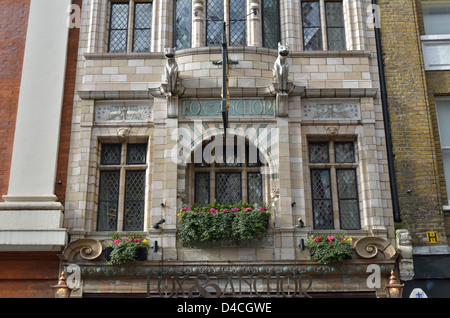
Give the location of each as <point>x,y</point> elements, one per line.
<point>30,206</point>
<point>198,23</point>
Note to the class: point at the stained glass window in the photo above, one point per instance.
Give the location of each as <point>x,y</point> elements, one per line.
<point>183,17</point>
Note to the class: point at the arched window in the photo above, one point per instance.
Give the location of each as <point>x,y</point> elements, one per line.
<point>227,171</point>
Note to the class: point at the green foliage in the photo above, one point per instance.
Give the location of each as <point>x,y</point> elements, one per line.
<point>328,249</point>
<point>238,223</point>
<point>126,249</point>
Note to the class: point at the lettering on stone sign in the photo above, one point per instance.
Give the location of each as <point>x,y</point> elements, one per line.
<point>237,108</point>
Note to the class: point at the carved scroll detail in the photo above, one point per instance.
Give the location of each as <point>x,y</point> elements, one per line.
<point>87,249</point>
<point>368,247</point>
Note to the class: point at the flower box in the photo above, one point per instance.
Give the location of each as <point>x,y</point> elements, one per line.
<point>236,224</point>
<point>125,250</point>
<point>327,249</point>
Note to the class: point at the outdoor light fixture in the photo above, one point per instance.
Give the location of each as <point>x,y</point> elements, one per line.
<point>157,224</point>
<point>61,289</point>
<point>301,223</point>
<point>394,289</point>
<point>302,244</point>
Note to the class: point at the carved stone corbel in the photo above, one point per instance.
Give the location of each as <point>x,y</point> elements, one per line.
<point>368,247</point>
<point>406,264</point>
<point>86,249</point>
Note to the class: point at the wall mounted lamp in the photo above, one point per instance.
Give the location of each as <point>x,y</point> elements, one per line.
<point>61,289</point>
<point>394,289</point>
<point>157,224</point>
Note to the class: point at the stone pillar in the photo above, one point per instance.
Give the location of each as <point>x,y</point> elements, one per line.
<point>30,206</point>
<point>198,23</point>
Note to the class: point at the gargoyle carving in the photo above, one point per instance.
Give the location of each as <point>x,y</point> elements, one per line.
<point>171,70</point>
<point>281,67</point>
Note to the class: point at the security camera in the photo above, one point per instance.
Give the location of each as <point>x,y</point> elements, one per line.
<point>157,224</point>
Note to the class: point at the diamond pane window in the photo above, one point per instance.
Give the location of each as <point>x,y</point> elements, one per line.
<point>142,26</point>
<point>214,22</point>
<point>270,23</point>
<point>254,187</point>
<point>335,25</point>
<point>312,34</point>
<point>118,27</point>
<point>318,152</point>
<point>134,200</point>
<point>228,187</point>
<point>111,154</point>
<point>344,152</point>
<point>322,200</point>
<point>238,25</point>
<point>348,199</point>
<point>202,188</point>
<point>136,154</point>
<point>108,200</point>
<point>183,16</point>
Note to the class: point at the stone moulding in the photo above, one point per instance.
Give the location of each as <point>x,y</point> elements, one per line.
<point>368,247</point>
<point>86,249</point>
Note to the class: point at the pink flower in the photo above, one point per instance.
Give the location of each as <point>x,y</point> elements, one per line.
<point>248,209</point>
<point>116,241</point>
<point>212,210</point>
<point>234,209</point>
<point>137,240</point>
<point>186,208</point>
<point>317,239</point>
<point>330,239</point>
<point>342,239</point>
<point>262,208</point>
<point>225,211</point>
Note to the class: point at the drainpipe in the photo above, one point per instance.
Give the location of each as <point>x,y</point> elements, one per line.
<point>387,127</point>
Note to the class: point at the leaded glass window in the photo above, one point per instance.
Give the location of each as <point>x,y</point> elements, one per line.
<point>334,185</point>
<point>348,199</point>
<point>238,25</point>
<point>202,188</point>
<point>138,38</point>
<point>183,24</point>
<point>214,22</point>
<point>254,187</point>
<point>142,26</point>
<point>236,179</point>
<point>118,30</point>
<point>328,33</point>
<point>108,200</point>
<point>270,12</point>
<point>322,200</point>
<point>134,200</point>
<point>121,196</point>
<point>312,33</point>
<point>335,25</point>
<point>228,187</point>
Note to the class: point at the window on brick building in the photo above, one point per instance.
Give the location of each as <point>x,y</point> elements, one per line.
<point>436,16</point>
<point>121,194</point>
<point>323,25</point>
<point>227,173</point>
<point>443,114</point>
<point>130,37</point>
<point>334,190</point>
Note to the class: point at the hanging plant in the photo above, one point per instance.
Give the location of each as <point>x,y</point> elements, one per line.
<point>238,223</point>
<point>127,249</point>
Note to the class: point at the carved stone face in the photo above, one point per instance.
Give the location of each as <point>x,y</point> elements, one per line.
<point>169,52</point>
<point>283,50</point>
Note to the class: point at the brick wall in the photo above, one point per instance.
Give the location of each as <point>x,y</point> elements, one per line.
<point>416,161</point>
<point>28,274</point>
<point>13,27</point>
<point>67,108</point>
